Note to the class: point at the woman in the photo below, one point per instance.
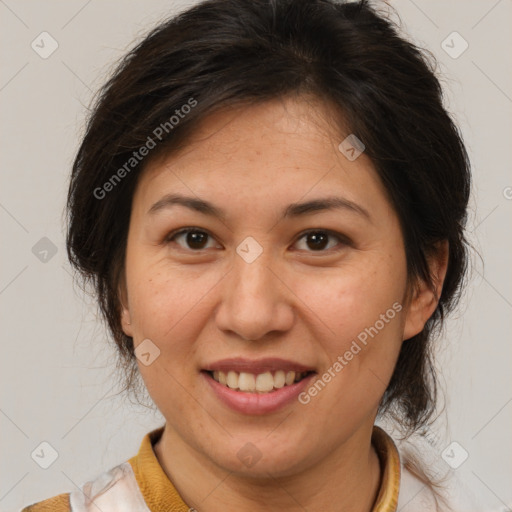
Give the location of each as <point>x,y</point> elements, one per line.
<point>270,200</point>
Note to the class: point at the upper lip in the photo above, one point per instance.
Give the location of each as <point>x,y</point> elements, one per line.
<point>257,366</point>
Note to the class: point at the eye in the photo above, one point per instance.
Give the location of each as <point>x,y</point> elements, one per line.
<point>318,240</point>
<point>195,238</point>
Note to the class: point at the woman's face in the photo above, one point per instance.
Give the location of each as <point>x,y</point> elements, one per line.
<point>251,293</point>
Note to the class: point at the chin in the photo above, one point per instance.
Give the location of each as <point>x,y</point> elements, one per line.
<point>260,460</point>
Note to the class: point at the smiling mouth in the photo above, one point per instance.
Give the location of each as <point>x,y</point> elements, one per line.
<point>266,382</point>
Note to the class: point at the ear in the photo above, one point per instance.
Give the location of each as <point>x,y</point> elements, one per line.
<point>126,321</point>
<point>424,299</point>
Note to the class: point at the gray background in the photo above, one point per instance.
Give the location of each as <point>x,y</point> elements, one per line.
<point>56,364</point>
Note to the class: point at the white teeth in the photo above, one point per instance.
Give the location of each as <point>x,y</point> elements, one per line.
<point>264,382</point>
<point>261,383</point>
<point>232,380</point>
<point>290,377</point>
<point>247,382</point>
<point>279,379</point>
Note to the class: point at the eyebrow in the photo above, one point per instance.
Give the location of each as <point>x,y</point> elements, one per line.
<point>292,210</point>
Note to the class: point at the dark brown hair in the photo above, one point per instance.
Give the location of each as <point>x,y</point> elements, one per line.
<point>222,53</point>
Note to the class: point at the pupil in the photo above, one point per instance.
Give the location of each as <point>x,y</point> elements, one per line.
<point>196,239</point>
<point>319,240</point>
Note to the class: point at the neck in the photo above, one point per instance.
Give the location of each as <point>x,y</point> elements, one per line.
<point>349,479</point>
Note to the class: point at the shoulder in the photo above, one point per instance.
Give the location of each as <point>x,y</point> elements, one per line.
<point>59,503</point>
<point>115,489</point>
<point>107,492</point>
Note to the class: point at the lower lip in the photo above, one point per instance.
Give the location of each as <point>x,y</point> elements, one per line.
<point>257,403</point>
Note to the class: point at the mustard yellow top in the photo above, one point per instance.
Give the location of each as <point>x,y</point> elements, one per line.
<point>160,494</point>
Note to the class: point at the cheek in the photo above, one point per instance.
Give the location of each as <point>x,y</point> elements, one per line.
<point>167,305</point>
<point>360,307</point>
<point>349,300</point>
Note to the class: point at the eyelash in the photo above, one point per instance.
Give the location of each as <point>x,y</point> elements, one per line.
<point>344,241</point>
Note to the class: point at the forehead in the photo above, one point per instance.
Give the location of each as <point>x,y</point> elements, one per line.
<point>285,146</point>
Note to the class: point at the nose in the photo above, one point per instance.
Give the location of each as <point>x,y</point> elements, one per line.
<point>254,301</point>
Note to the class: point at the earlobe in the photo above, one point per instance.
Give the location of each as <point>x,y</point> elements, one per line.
<point>425,298</point>
<point>126,321</point>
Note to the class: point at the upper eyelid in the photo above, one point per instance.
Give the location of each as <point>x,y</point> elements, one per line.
<point>182,231</point>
